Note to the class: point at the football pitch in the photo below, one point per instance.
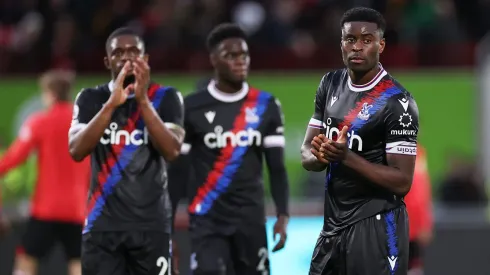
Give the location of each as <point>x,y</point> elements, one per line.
<point>446,100</point>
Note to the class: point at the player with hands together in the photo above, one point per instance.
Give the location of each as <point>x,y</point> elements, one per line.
<point>316,149</point>
<point>131,129</point>
<point>334,151</point>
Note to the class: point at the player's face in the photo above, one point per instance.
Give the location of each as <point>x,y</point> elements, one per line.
<point>361,45</point>
<point>232,60</point>
<point>121,49</point>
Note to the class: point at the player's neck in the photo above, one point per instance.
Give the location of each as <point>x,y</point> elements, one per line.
<point>227,86</point>
<point>361,78</point>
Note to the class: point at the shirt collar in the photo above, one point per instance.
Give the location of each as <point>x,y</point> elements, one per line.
<point>227,97</point>
<point>368,86</point>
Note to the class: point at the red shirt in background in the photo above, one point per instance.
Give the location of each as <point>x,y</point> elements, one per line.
<point>62,184</point>
<point>419,199</point>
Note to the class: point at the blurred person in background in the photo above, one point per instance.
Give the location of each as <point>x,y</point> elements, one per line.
<point>4,221</point>
<point>57,207</point>
<point>229,127</point>
<point>364,133</point>
<point>131,128</point>
<point>419,208</point>
<point>463,185</point>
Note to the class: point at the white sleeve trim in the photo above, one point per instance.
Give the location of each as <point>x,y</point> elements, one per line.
<point>402,148</point>
<point>280,130</point>
<point>171,125</point>
<point>274,141</point>
<point>315,123</point>
<point>76,127</point>
<point>186,147</point>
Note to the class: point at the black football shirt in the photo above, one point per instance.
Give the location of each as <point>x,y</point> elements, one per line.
<point>225,138</point>
<point>128,188</point>
<point>383,119</point>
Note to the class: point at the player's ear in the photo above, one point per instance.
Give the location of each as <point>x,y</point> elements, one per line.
<point>107,63</point>
<point>382,44</point>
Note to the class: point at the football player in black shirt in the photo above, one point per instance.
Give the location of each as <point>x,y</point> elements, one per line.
<point>131,127</point>
<point>230,127</point>
<point>364,132</point>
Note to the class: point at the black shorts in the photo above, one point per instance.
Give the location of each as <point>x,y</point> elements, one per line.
<point>41,236</point>
<point>126,253</point>
<point>374,246</point>
<point>243,252</point>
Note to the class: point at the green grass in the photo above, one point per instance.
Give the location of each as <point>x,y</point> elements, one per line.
<point>446,103</point>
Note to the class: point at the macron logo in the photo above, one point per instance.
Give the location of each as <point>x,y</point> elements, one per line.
<point>404,103</point>
<point>210,116</point>
<point>392,261</point>
<point>334,99</point>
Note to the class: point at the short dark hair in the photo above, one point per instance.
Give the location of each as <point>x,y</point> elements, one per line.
<point>59,83</point>
<point>120,32</point>
<point>222,32</point>
<point>362,14</point>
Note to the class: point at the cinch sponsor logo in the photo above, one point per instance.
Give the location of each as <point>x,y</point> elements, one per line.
<point>114,136</point>
<point>243,138</point>
<point>403,132</point>
<point>352,137</point>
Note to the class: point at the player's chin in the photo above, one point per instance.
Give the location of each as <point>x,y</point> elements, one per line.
<point>359,66</point>
<point>240,76</point>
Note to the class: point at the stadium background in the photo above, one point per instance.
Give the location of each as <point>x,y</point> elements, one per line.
<point>431,51</point>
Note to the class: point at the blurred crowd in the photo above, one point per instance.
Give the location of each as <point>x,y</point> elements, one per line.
<point>54,31</point>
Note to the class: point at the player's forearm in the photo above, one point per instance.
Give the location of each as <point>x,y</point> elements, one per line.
<point>83,142</point>
<point>280,193</point>
<point>177,180</point>
<point>309,161</point>
<point>165,141</point>
<point>17,153</point>
<point>385,176</point>
<point>278,179</point>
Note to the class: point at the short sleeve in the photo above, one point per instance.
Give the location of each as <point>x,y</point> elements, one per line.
<point>401,126</point>
<point>81,112</point>
<point>171,109</point>
<point>321,93</point>
<point>274,133</point>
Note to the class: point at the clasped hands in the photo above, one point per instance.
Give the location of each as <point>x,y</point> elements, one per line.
<point>329,151</point>
<point>139,67</point>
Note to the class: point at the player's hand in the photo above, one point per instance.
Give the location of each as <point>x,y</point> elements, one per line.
<point>280,230</point>
<point>175,257</point>
<point>142,74</point>
<point>336,150</point>
<point>316,145</point>
<point>4,225</point>
<point>120,94</point>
